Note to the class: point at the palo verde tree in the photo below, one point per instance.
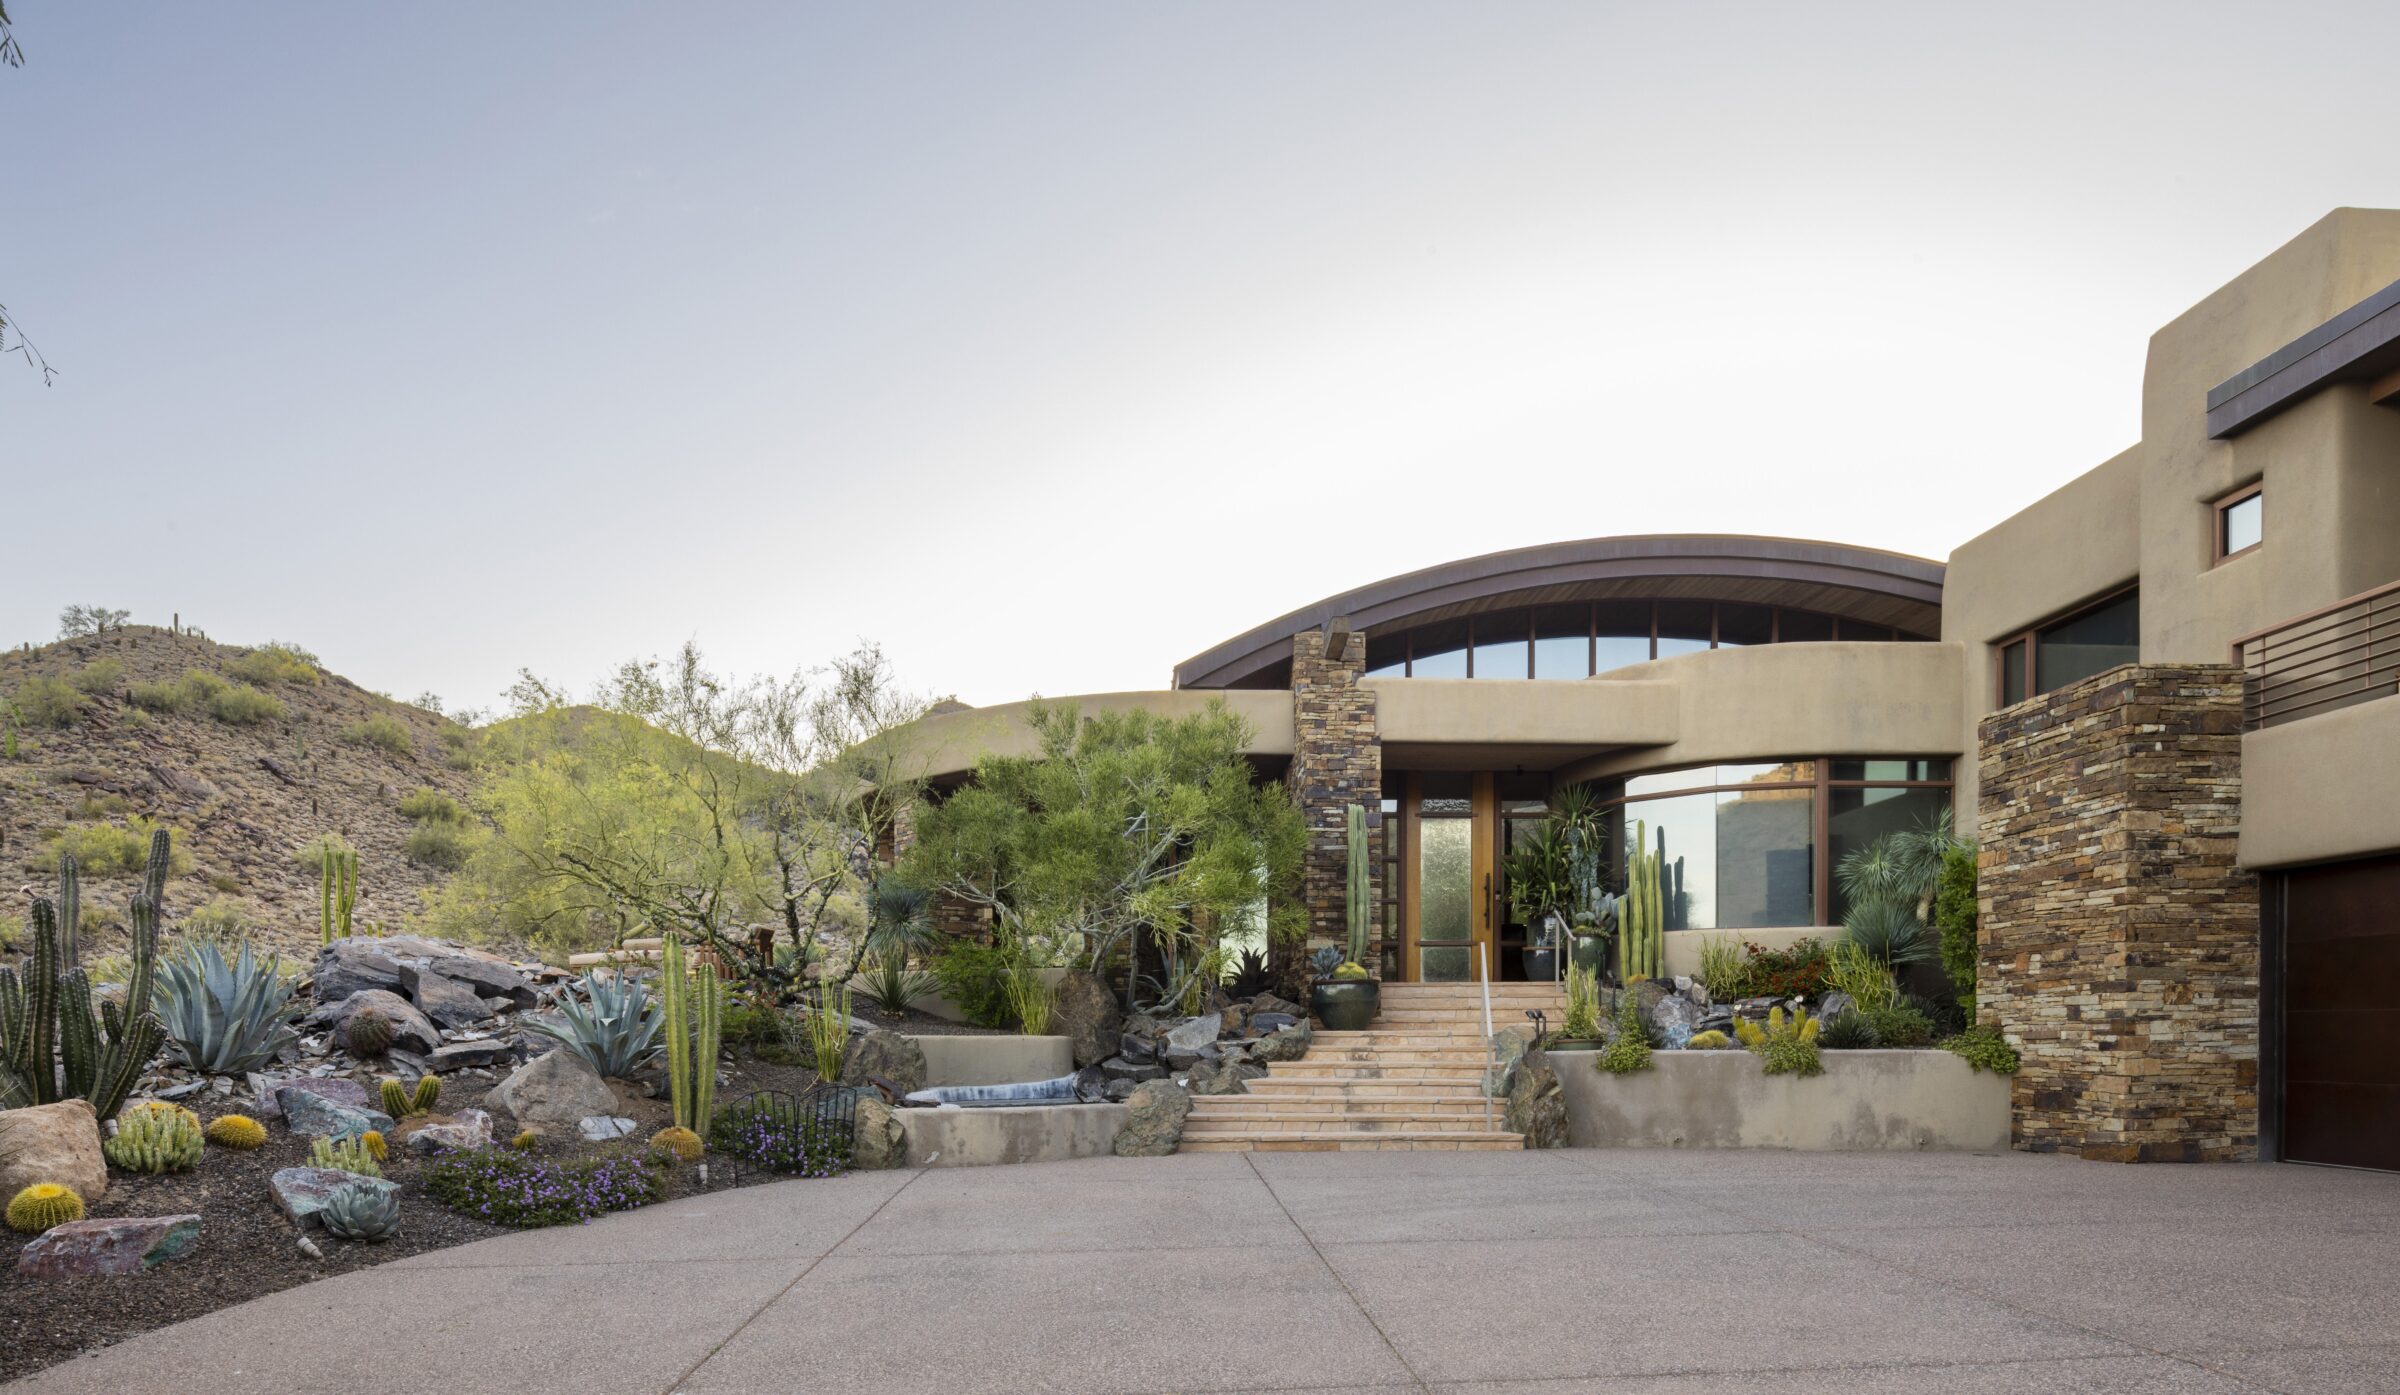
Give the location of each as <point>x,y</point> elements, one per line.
<point>1121,827</point>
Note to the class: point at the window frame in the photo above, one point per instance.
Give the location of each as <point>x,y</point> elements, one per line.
<point>1527,628</point>
<point>2218,511</point>
<point>2028,636</point>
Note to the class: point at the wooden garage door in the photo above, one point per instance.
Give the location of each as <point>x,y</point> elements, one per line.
<point>2341,1014</point>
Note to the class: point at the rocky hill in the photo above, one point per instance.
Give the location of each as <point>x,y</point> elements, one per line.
<point>249,755</point>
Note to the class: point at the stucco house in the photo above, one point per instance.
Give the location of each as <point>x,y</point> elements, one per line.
<point>2163,698</point>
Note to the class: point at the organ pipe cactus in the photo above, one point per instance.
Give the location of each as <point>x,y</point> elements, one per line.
<point>53,1046</point>
<point>337,891</point>
<point>695,1009</point>
<point>1641,934</point>
<point>1361,899</point>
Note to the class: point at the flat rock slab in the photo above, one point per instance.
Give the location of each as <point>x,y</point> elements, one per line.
<point>604,1128</point>
<point>445,1000</point>
<point>459,1055</point>
<point>464,1131</point>
<point>335,1089</point>
<point>301,1192</point>
<point>119,1245</point>
<point>319,1117</point>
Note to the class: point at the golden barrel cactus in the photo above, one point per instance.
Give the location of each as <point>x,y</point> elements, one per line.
<point>43,1205</point>
<point>239,1132</point>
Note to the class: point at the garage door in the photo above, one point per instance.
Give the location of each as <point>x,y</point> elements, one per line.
<point>2341,1014</point>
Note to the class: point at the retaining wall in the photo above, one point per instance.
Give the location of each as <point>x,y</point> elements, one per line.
<point>1865,1101</point>
<point>1036,1133</point>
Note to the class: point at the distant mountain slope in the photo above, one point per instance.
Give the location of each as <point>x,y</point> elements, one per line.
<point>244,798</point>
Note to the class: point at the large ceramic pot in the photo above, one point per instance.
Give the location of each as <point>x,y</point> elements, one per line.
<point>1345,1005</point>
<point>1541,963</point>
<point>1591,950</point>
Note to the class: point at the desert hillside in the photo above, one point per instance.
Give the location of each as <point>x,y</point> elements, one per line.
<point>249,755</point>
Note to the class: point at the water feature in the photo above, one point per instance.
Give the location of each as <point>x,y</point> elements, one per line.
<point>1060,1090</point>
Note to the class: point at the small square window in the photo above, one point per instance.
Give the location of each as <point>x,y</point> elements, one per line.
<point>2241,524</point>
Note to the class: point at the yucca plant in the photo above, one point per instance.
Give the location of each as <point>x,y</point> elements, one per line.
<point>615,1030</point>
<point>891,985</point>
<point>222,1016</point>
<point>1888,928</point>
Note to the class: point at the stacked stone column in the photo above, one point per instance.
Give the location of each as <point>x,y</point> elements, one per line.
<point>2119,939</point>
<point>1337,761</point>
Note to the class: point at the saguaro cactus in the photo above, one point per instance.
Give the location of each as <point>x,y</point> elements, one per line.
<point>695,1008</point>
<point>1361,907</point>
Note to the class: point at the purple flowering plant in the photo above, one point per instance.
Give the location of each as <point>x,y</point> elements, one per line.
<point>521,1189</point>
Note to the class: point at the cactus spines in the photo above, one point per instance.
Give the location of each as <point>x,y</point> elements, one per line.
<point>427,1094</point>
<point>155,1136</point>
<point>1641,936</point>
<point>43,1205</point>
<point>695,1007</point>
<point>52,1046</point>
<point>401,1102</point>
<point>347,1154</point>
<point>373,1144</point>
<point>337,890</point>
<point>394,1097</point>
<point>70,910</point>
<point>368,1033</point>
<point>239,1132</point>
<point>1361,900</point>
<point>677,1142</point>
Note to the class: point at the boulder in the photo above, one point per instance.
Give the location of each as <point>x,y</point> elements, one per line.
<point>1135,1047</point>
<point>353,966</point>
<point>1268,1002</point>
<point>462,1132</point>
<point>459,1055</point>
<point>320,1117</point>
<point>301,1192</point>
<point>1537,1107</point>
<point>1286,1044</point>
<point>605,1128</point>
<point>1083,1009</point>
<point>411,1029</point>
<point>1193,1033</point>
<point>1154,1118</point>
<point>1091,1085</point>
<point>888,1056</point>
<point>556,1091</point>
<point>1118,1068</point>
<point>1121,1090</point>
<point>116,1245</point>
<point>489,978</point>
<point>1265,1024</point>
<point>1673,1019</point>
<point>52,1143</point>
<point>445,1000</point>
<point>879,1141</point>
<point>1228,1076</point>
<point>340,1091</point>
<point>1509,1046</point>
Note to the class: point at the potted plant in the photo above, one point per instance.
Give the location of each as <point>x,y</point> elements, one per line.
<point>1343,995</point>
<point>1591,934</point>
<point>1541,948</point>
<point>1581,1030</point>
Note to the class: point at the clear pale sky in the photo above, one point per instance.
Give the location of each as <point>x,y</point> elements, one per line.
<point>1050,344</point>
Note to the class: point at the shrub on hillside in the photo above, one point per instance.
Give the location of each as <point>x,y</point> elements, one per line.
<point>440,843</point>
<point>430,804</point>
<point>383,733</point>
<point>241,705</point>
<point>458,748</point>
<point>311,855</point>
<point>111,850</point>
<point>49,702</point>
<point>177,696</point>
<point>276,662</point>
<point>100,677</point>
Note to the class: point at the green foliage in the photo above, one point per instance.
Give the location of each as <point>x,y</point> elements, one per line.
<point>1583,1004</point>
<point>1122,822</point>
<point>241,705</point>
<point>614,1029</point>
<point>524,1189</point>
<point>1029,996</point>
<point>1900,1025</point>
<point>1984,1049</point>
<point>1628,1050</point>
<point>1785,1045</point>
<point>458,748</point>
<point>235,704</point>
<point>1726,971</point>
<point>1954,915</point>
<point>276,662</point>
<point>49,702</point>
<point>310,856</point>
<point>444,845</point>
<point>155,1136</point>
<point>1641,917</point>
<point>1887,928</point>
<point>384,733</point>
<point>53,1045</point>
<point>222,920</point>
<point>402,1102</point>
<point>354,1155</point>
<point>1868,980</point>
<point>117,850</point>
<point>223,1016</point>
<point>163,697</point>
<point>356,1212</point>
<point>1848,1030</point>
<point>828,1031</point>
<point>1795,971</point>
<point>750,1023</point>
<point>693,1021</point>
<point>43,1206</point>
<point>429,804</point>
<point>891,985</point>
<point>99,678</point>
<point>975,976</point>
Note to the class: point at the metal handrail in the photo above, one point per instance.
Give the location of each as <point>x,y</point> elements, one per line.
<point>1491,1049</point>
<point>2337,655</point>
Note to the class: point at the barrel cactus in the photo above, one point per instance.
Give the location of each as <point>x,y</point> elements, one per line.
<point>372,1141</point>
<point>401,1102</point>
<point>367,1033</point>
<point>357,1212</point>
<point>681,1143</point>
<point>154,1136</point>
<point>239,1132</point>
<point>43,1205</point>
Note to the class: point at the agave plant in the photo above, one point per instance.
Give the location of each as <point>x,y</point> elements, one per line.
<point>222,1016</point>
<point>357,1212</point>
<point>615,1031</point>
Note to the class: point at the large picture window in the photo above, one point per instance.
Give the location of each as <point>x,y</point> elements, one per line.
<point>1752,846</point>
<point>1581,639</point>
<point>2075,646</point>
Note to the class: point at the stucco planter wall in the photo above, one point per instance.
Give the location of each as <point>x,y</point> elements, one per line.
<point>1865,1101</point>
<point>994,1060</point>
<point>1036,1133</point>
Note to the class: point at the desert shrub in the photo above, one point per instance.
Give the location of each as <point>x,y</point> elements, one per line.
<point>1954,919</point>
<point>162,697</point>
<point>430,803</point>
<point>750,1024</point>
<point>310,856</point>
<point>222,920</point>
<point>458,748</point>
<point>1900,1024</point>
<point>114,850</point>
<point>1847,1030</point>
<point>225,882</point>
<point>1785,1045</point>
<point>100,677</point>
<point>240,705</point>
<point>975,976</point>
<point>1796,971</point>
<point>1985,1049</point>
<point>49,702</point>
<point>502,1187</point>
<point>101,806</point>
<point>1726,970</point>
<point>383,733</point>
<point>1629,1049</point>
<point>276,662</point>
<point>892,985</point>
<point>440,844</point>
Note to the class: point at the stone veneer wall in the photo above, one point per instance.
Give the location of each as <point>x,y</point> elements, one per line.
<point>1337,761</point>
<point>2120,941</point>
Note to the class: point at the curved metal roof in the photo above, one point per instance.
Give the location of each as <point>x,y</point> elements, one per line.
<point>1882,588</point>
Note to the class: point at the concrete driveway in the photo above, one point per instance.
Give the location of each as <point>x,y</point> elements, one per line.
<point>1601,1271</point>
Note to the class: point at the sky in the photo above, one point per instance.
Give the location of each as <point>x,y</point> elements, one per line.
<point>1049,344</point>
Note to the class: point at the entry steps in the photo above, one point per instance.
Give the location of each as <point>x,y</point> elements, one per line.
<point>1413,1081</point>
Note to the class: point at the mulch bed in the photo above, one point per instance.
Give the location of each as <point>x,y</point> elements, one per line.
<point>920,1024</point>
<point>248,1250</point>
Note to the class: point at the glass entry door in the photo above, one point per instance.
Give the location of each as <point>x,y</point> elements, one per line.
<point>1450,870</point>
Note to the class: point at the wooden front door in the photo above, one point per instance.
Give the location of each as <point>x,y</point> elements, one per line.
<point>1450,863</point>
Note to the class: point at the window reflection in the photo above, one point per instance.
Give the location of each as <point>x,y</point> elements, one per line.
<point>1582,639</point>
